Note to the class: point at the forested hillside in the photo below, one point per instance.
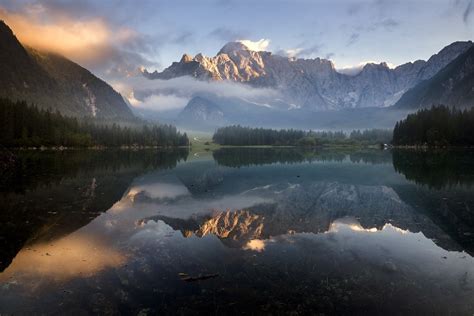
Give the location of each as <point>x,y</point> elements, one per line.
<point>22,125</point>
<point>53,81</point>
<point>438,126</point>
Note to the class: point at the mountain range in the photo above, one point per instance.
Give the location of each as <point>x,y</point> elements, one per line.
<point>312,84</point>
<point>309,93</point>
<point>51,81</point>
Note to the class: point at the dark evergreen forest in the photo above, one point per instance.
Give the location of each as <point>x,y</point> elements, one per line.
<point>437,126</point>
<point>246,136</point>
<point>23,125</point>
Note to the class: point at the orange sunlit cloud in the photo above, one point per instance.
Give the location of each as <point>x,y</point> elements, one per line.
<point>88,42</point>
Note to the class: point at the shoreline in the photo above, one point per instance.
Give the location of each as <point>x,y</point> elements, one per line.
<point>64,148</point>
<point>214,146</point>
<point>423,147</point>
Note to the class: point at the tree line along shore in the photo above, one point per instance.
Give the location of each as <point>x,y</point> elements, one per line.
<point>26,126</point>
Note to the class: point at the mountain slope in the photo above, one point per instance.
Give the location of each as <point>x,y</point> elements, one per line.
<point>201,112</point>
<point>312,84</point>
<point>453,86</point>
<point>52,81</point>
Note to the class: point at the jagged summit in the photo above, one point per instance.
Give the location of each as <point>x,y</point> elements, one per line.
<point>233,47</point>
<point>312,84</point>
<point>383,66</point>
<point>186,58</point>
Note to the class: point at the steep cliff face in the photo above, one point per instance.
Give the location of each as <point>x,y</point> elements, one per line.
<point>453,85</point>
<point>52,81</point>
<point>312,83</point>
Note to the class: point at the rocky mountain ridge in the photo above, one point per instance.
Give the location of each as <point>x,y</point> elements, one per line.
<point>453,85</point>
<point>312,84</point>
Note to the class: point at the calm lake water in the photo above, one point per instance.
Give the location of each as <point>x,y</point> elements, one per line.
<point>238,231</point>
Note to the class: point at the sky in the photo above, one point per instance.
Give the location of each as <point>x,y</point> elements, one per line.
<point>115,38</point>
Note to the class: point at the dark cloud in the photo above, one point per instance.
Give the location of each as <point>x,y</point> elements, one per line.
<point>468,11</point>
<point>308,52</point>
<point>300,51</point>
<point>463,7</point>
<point>106,9</point>
<point>388,23</point>
<point>354,38</point>
<point>81,8</point>
<point>329,55</point>
<point>118,63</point>
<point>183,38</point>
<point>354,8</point>
<point>382,5</point>
<point>227,34</point>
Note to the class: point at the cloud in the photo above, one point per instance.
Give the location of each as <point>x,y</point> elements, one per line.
<point>92,42</point>
<point>468,11</point>
<point>309,51</point>
<point>290,53</point>
<point>257,46</point>
<point>158,102</point>
<point>353,70</point>
<point>354,8</point>
<point>464,8</point>
<point>388,24</point>
<point>164,95</point>
<point>354,38</point>
<point>183,37</point>
<point>300,51</point>
<point>329,55</point>
<point>227,34</point>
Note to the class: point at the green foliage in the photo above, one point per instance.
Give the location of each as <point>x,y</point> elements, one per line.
<point>22,125</point>
<point>379,136</point>
<point>439,126</point>
<point>246,136</point>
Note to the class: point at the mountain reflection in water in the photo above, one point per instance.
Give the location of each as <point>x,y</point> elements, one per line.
<point>325,232</point>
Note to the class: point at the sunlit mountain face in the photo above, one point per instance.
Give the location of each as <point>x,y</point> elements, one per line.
<point>346,225</point>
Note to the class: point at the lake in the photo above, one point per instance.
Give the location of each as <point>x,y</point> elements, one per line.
<point>238,231</point>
